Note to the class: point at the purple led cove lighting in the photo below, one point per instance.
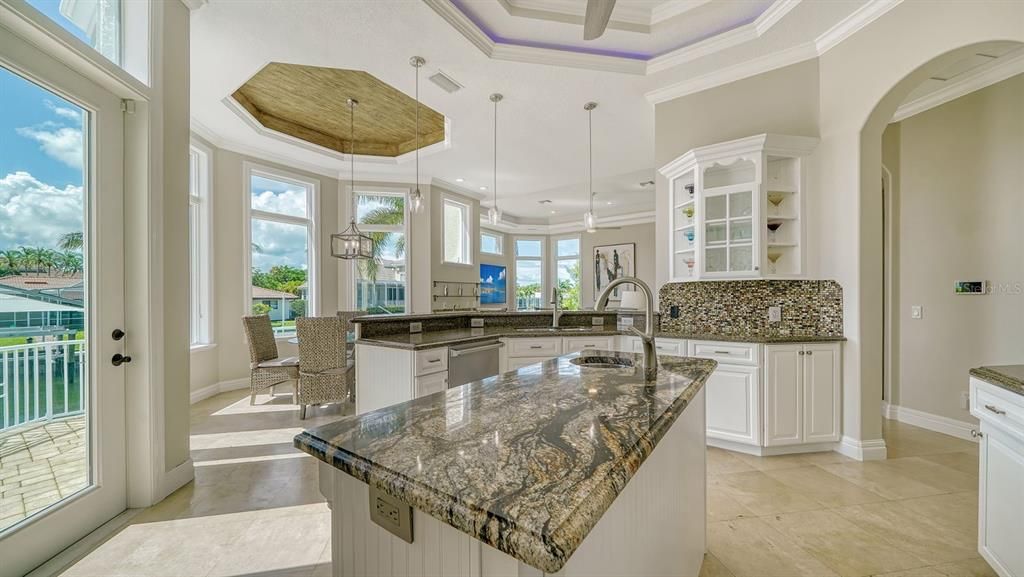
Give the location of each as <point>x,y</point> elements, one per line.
<point>641,56</point>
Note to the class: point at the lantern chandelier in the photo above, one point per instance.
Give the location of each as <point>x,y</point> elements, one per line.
<point>352,244</point>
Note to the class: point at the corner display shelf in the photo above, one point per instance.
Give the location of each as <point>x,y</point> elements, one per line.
<point>735,209</point>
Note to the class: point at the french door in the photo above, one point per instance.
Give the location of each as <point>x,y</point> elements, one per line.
<point>62,399</point>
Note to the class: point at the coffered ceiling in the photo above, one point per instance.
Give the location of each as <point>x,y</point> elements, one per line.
<point>311,103</point>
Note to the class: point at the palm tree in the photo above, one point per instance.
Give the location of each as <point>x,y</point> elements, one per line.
<point>11,261</point>
<point>391,212</point>
<point>71,241</point>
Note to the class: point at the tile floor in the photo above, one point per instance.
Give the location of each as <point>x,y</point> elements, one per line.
<point>254,508</point>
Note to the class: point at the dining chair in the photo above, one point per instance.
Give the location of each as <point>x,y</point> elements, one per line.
<point>266,368</point>
<point>326,374</point>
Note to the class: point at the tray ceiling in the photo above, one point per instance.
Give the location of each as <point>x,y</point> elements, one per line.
<point>310,103</point>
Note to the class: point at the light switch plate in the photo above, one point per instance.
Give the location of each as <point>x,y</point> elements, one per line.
<point>597,321</point>
<point>476,323</point>
<point>415,327</point>
<point>916,312</point>
<point>774,314</point>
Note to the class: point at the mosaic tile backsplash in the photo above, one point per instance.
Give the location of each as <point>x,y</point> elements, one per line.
<point>809,307</point>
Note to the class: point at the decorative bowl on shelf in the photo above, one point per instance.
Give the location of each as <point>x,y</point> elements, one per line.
<point>772,227</point>
<point>688,211</point>
<point>689,236</point>
<point>689,190</point>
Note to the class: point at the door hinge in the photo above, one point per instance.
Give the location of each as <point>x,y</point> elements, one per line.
<point>128,106</point>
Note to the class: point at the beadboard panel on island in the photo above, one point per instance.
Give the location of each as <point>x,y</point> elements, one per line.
<point>809,307</point>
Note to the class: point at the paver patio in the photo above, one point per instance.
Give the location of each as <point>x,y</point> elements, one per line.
<point>40,464</point>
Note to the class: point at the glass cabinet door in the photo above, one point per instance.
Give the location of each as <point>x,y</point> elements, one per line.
<point>729,232</point>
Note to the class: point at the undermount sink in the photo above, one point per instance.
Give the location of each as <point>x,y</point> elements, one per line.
<point>603,362</point>
<point>555,330</point>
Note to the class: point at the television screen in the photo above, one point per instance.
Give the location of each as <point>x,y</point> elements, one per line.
<point>492,284</point>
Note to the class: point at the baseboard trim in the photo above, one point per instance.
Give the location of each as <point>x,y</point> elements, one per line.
<point>759,451</point>
<point>79,549</point>
<point>176,478</point>
<point>932,422</point>
<point>217,388</point>
<point>868,450</point>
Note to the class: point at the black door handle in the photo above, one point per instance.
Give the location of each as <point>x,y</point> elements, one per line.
<point>118,359</point>
<point>117,335</point>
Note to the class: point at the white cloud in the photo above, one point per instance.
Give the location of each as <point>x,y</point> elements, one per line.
<point>501,274</point>
<point>290,201</point>
<point>488,280</point>
<point>279,243</point>
<point>63,144</point>
<point>64,112</point>
<point>33,213</point>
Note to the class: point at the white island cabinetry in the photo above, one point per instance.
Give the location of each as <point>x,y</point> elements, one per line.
<point>1000,490</point>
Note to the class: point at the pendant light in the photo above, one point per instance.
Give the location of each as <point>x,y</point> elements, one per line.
<point>589,220</point>
<point>416,200</point>
<point>352,244</point>
<point>494,214</point>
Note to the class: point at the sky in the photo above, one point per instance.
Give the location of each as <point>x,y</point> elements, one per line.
<point>41,160</point>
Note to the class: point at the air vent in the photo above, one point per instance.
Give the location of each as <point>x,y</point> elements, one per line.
<point>447,83</point>
<point>545,201</point>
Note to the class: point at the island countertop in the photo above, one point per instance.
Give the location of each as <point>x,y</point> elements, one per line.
<point>1009,377</point>
<point>527,461</point>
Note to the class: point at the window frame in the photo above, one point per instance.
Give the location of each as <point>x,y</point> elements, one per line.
<point>467,232</point>
<point>311,221</point>
<point>405,229</point>
<point>499,241</point>
<point>201,327</point>
<point>542,259</point>
<point>557,258</point>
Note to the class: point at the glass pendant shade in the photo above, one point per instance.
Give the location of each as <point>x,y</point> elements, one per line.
<point>590,221</point>
<point>351,244</point>
<point>416,201</point>
<point>494,215</point>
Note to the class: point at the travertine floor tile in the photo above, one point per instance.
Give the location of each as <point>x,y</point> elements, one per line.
<point>764,495</point>
<point>751,547</point>
<point>879,477</point>
<point>712,567</point>
<point>976,567</point>
<point>926,537</point>
<point>721,506</point>
<point>720,462</point>
<point>824,487</point>
<point>843,546</point>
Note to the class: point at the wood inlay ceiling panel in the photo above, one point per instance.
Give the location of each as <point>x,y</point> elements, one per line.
<point>310,103</point>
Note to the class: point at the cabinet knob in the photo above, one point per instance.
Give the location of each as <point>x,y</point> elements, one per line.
<point>801,353</point>
<point>977,434</point>
<point>810,352</point>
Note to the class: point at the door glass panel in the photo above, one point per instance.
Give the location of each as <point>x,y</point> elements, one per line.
<point>740,258</point>
<point>95,22</point>
<point>715,259</point>
<point>380,282</point>
<point>714,233</point>
<point>740,230</point>
<point>44,434</point>
<point>715,208</point>
<point>740,204</point>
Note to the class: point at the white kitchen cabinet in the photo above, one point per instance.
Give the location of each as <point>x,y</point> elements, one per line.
<point>733,409</point>
<point>534,347</point>
<point>1001,468</point>
<point>735,209</point>
<point>802,394</point>
<point>672,347</point>
<point>431,383</point>
<point>578,344</point>
<point>519,362</point>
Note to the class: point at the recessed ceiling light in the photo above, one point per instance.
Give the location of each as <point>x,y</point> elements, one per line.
<point>460,180</point>
<point>554,212</point>
<point>610,202</point>
<point>483,188</point>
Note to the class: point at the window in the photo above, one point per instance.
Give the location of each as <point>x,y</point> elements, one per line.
<point>567,270</point>
<point>490,243</point>
<point>199,246</point>
<point>281,248</point>
<point>455,232</point>
<point>116,29</point>
<point>380,283</point>
<point>529,272</point>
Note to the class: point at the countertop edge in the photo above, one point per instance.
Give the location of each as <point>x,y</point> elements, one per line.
<point>992,376</point>
<point>562,542</point>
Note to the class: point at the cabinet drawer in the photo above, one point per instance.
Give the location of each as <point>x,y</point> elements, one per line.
<point>576,344</point>
<point>732,353</point>
<point>519,362</point>
<point>431,361</point>
<point>432,383</point>
<point>546,347</point>
<point>673,347</point>
<point>992,404</point>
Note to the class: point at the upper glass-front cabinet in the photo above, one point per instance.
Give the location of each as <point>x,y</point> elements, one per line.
<point>735,209</point>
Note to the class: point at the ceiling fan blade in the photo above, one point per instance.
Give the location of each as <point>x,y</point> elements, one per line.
<point>596,19</point>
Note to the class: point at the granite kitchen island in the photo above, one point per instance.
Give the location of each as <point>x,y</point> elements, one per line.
<point>552,469</point>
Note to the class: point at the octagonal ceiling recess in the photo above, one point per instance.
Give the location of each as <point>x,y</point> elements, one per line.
<point>309,103</point>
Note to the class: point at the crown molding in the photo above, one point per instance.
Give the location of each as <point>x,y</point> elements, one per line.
<point>771,16</point>
<point>996,71</point>
<point>669,10</point>
<point>512,226</point>
<point>534,55</point>
<point>861,17</point>
<point>752,67</point>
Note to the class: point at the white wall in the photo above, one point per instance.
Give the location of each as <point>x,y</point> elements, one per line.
<point>960,201</point>
<point>643,235</point>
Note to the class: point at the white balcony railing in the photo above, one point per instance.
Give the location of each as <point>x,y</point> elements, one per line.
<point>41,381</point>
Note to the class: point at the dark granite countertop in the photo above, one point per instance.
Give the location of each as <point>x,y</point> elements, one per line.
<point>527,461</point>
<point>433,339</point>
<point>1009,377</point>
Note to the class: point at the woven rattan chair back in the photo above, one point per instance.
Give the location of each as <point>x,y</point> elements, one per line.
<point>260,334</point>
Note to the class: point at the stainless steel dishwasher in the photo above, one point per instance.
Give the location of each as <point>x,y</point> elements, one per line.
<point>472,362</point>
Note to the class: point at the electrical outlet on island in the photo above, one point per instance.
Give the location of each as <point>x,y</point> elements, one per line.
<point>775,314</point>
